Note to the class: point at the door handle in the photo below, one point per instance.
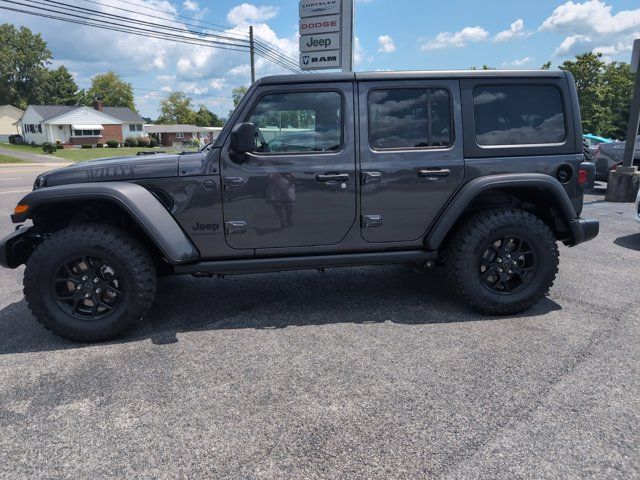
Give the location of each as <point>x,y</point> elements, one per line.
<point>332,177</point>
<point>433,172</point>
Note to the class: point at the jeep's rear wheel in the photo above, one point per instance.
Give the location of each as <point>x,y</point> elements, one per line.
<point>89,282</point>
<point>502,261</point>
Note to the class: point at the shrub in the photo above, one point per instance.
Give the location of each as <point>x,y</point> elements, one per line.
<point>48,147</point>
<point>153,142</point>
<point>87,145</point>
<point>130,142</point>
<point>112,143</point>
<point>59,146</point>
<point>143,142</point>
<point>99,145</point>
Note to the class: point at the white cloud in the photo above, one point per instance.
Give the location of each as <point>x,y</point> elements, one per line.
<point>592,26</point>
<point>385,44</point>
<point>190,5</point>
<point>519,62</point>
<point>516,30</point>
<point>246,13</point>
<point>166,88</point>
<point>457,39</point>
<point>217,83</point>
<point>358,52</point>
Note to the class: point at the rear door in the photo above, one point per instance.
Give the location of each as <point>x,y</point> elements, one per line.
<point>411,155</point>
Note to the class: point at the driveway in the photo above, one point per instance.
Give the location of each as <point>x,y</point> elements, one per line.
<point>32,157</point>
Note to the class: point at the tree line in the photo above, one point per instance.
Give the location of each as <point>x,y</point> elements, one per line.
<point>26,77</point>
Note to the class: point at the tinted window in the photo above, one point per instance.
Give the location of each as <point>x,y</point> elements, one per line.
<point>409,118</point>
<point>518,115</point>
<point>299,122</point>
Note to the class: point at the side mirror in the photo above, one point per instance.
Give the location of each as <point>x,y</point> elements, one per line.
<point>243,138</point>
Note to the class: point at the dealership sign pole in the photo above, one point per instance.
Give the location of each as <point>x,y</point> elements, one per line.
<point>326,34</point>
<point>624,182</point>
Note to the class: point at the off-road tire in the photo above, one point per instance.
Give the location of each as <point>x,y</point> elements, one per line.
<point>131,261</point>
<point>466,248</point>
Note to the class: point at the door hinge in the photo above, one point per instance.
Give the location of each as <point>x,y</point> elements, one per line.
<point>370,221</point>
<point>370,177</point>
<point>234,227</point>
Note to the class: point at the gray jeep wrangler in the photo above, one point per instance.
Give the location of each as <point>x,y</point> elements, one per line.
<point>482,171</point>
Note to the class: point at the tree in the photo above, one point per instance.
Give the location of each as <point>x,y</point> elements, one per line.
<point>23,59</point>
<point>111,90</point>
<point>237,94</point>
<point>57,87</point>
<point>546,66</point>
<point>177,108</point>
<point>618,81</point>
<point>206,118</point>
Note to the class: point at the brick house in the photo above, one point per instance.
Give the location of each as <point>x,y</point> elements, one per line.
<point>78,125</point>
<point>169,135</point>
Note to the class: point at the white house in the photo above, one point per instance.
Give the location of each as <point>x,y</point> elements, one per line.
<point>77,125</point>
<point>9,115</point>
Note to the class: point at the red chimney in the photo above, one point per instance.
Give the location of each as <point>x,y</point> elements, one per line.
<point>98,105</point>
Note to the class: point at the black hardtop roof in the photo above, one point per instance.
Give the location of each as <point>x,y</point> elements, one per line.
<point>408,75</point>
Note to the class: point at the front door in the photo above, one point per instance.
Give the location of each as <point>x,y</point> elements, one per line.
<point>411,155</point>
<point>298,188</point>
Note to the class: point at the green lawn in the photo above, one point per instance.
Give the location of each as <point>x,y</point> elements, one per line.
<point>8,159</point>
<point>78,155</point>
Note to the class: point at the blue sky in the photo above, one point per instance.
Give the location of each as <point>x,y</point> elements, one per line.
<point>391,34</point>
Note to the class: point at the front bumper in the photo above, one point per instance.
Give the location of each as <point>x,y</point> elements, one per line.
<point>583,230</point>
<point>16,247</point>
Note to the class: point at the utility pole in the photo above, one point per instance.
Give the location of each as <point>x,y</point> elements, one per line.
<point>252,54</point>
<point>624,181</point>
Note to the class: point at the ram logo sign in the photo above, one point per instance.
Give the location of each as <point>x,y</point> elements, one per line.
<point>319,60</point>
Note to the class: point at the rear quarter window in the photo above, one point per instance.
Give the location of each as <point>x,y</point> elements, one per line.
<point>518,115</point>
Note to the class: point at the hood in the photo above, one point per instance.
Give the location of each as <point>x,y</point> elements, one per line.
<point>113,169</point>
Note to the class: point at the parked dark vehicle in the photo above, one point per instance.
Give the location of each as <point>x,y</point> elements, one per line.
<point>609,155</point>
<point>482,172</point>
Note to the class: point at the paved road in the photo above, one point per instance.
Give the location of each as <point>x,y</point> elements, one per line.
<point>355,373</point>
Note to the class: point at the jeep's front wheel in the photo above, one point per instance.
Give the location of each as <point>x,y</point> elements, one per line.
<point>89,282</point>
<point>502,261</point>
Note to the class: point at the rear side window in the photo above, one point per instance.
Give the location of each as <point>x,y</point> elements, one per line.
<point>518,115</point>
<point>409,118</point>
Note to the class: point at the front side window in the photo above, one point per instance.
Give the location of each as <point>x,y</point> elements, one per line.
<point>299,122</point>
<point>518,115</point>
<point>179,135</point>
<point>409,118</point>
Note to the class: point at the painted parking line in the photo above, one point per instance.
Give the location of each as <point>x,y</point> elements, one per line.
<point>11,178</point>
<point>15,191</point>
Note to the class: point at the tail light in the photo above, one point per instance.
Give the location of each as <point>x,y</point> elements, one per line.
<point>583,177</point>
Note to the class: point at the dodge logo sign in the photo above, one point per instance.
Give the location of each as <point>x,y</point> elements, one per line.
<point>315,25</point>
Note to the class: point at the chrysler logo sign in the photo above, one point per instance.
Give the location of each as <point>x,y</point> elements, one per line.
<point>310,8</point>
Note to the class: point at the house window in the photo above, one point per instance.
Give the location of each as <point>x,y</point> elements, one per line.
<point>179,135</point>
<point>87,133</point>
<point>139,128</point>
<point>132,128</point>
<point>39,128</point>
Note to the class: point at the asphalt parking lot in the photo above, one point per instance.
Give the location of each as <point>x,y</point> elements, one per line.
<point>375,372</point>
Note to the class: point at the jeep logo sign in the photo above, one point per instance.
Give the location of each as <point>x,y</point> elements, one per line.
<point>317,60</point>
<point>314,43</point>
<point>315,25</point>
<point>312,8</point>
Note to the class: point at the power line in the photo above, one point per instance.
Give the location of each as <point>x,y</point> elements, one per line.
<point>283,53</point>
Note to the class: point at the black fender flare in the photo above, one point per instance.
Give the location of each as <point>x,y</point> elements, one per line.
<point>456,207</point>
<point>145,209</point>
